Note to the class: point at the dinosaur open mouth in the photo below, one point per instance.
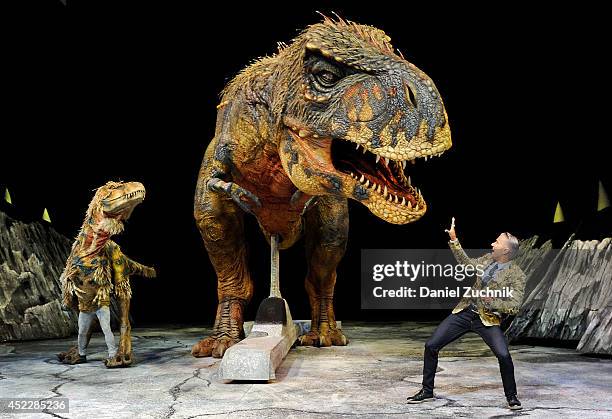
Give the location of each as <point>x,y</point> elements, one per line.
<point>140,193</point>
<point>378,174</point>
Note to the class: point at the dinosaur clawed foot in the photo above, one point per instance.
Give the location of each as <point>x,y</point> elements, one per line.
<point>213,346</point>
<point>121,360</point>
<point>71,357</point>
<point>333,337</point>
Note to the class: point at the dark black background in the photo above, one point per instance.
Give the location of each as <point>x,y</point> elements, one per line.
<point>104,91</point>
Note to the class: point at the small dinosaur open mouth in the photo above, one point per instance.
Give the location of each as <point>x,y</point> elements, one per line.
<point>377,174</point>
<point>140,193</point>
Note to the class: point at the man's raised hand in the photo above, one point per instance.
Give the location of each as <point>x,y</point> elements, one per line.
<point>451,231</point>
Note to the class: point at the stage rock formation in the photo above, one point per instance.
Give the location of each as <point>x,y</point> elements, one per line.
<point>32,257</point>
<point>573,300</point>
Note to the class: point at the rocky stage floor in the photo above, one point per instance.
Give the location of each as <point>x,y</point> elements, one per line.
<point>370,377</point>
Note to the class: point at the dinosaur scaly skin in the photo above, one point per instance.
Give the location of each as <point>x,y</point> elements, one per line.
<point>96,267</point>
<point>335,115</point>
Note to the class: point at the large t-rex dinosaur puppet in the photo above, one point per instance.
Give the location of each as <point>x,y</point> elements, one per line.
<point>334,115</point>
<point>96,268</point>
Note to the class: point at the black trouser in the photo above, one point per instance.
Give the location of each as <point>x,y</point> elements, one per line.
<point>457,325</point>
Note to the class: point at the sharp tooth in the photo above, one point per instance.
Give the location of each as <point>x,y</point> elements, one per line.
<point>378,188</point>
<point>361,179</point>
<point>403,201</point>
<point>395,199</point>
<point>386,161</point>
<point>377,158</point>
<point>356,146</point>
<point>425,158</point>
<point>390,198</point>
<point>364,150</point>
<point>367,183</point>
<point>417,207</point>
<point>385,192</point>
<point>409,205</point>
<point>409,181</point>
<point>403,164</point>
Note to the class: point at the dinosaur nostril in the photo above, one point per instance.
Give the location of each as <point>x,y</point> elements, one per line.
<point>410,94</point>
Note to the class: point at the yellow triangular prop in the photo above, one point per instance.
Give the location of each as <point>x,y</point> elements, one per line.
<point>602,201</point>
<point>46,216</point>
<point>7,196</point>
<point>559,218</point>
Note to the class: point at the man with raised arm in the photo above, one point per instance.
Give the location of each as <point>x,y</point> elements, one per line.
<point>481,315</point>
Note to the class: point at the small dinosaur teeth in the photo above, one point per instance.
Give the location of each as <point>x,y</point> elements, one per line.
<point>409,181</point>
<point>403,201</point>
<point>409,205</point>
<point>362,177</point>
<point>367,183</point>
<point>356,146</point>
<point>385,193</point>
<point>395,199</point>
<point>403,164</point>
<point>377,159</point>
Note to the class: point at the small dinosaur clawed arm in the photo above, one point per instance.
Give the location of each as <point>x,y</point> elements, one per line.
<point>136,268</point>
<point>238,194</point>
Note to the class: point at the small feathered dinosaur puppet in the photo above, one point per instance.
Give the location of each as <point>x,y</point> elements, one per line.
<point>96,268</point>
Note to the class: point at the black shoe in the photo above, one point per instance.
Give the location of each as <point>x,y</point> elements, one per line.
<point>422,396</point>
<point>513,402</point>
<point>82,359</point>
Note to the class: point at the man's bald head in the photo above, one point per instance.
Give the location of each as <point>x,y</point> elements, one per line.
<point>505,247</point>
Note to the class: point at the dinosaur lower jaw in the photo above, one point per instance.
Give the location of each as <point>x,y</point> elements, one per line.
<point>121,208</point>
<point>388,193</point>
<point>377,175</point>
<point>378,184</point>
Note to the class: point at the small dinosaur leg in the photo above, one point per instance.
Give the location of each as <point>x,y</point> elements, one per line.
<point>123,358</point>
<point>220,221</point>
<point>326,238</point>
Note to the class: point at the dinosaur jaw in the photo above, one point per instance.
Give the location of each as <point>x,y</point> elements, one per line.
<point>379,183</point>
<point>122,202</point>
<point>333,166</point>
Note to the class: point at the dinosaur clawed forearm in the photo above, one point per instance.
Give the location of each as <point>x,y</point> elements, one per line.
<point>140,269</point>
<point>237,193</point>
<point>299,197</point>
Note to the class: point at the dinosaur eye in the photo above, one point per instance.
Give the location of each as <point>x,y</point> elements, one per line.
<point>327,78</point>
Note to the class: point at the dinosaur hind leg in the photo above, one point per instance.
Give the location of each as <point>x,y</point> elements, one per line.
<point>123,358</point>
<point>326,238</point>
<point>220,222</point>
